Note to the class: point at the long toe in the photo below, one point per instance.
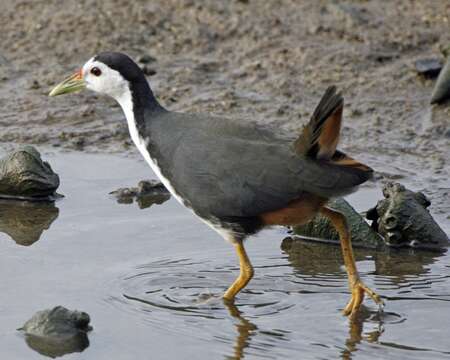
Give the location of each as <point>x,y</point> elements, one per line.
<point>358,290</point>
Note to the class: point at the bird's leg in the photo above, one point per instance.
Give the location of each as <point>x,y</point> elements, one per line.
<point>357,287</point>
<point>245,274</point>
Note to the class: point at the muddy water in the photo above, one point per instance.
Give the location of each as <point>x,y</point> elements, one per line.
<point>151,279</point>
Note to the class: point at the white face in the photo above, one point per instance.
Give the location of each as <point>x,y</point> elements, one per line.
<point>101,78</point>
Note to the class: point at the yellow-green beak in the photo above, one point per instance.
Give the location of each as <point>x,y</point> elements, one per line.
<point>73,83</point>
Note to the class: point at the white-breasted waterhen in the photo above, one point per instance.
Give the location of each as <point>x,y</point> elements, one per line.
<point>238,177</point>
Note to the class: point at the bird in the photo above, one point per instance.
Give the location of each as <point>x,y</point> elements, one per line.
<point>237,176</point>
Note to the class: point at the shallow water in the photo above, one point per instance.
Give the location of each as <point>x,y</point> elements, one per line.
<point>151,280</point>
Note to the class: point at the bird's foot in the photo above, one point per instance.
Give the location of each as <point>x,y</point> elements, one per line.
<point>359,289</point>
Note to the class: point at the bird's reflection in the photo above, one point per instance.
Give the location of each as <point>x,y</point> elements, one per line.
<point>355,333</point>
<point>245,330</point>
<point>25,221</point>
<point>313,258</point>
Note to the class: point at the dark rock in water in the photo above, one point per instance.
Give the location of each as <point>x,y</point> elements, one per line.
<point>147,193</point>
<point>441,91</point>
<point>428,68</point>
<point>58,331</point>
<point>402,219</point>
<point>23,175</point>
<point>58,322</point>
<point>25,221</point>
<point>322,228</point>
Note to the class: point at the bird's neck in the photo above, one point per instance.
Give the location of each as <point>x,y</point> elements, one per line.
<point>139,105</point>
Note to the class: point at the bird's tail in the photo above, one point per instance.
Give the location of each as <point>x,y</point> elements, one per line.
<point>320,137</point>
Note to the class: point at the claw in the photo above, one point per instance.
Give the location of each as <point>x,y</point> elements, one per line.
<point>359,289</point>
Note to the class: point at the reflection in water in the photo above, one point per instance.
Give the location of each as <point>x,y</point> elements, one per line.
<point>394,265</point>
<point>314,258</point>
<point>145,201</point>
<point>245,331</point>
<point>25,221</point>
<point>355,333</point>
<point>191,291</point>
<point>55,348</point>
<point>282,311</point>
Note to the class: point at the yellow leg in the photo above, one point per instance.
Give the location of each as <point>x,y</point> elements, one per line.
<point>357,287</point>
<point>245,274</point>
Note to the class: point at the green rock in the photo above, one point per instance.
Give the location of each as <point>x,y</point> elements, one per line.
<point>23,175</point>
<point>58,331</point>
<point>321,228</point>
<point>403,219</point>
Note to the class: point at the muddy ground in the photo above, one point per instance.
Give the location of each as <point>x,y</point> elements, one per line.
<point>266,60</point>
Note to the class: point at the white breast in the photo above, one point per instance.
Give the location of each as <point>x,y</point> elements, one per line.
<point>126,103</point>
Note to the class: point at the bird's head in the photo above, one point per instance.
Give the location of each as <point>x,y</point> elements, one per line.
<point>109,73</point>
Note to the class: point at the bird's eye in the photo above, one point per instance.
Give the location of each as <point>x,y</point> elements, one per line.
<point>96,71</point>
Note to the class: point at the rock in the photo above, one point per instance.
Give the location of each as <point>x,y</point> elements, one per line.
<point>25,221</point>
<point>428,68</point>
<point>58,331</point>
<point>146,59</point>
<point>149,71</point>
<point>147,193</point>
<point>441,91</point>
<point>445,50</point>
<point>23,175</point>
<point>403,220</point>
<point>322,228</point>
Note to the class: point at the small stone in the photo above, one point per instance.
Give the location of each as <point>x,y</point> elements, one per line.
<point>428,68</point>
<point>35,85</point>
<point>149,71</point>
<point>382,56</point>
<point>146,59</point>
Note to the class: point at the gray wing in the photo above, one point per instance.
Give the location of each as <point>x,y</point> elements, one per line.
<point>226,169</point>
